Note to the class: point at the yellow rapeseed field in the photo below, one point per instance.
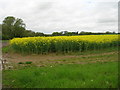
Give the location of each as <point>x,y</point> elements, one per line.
<point>63,43</point>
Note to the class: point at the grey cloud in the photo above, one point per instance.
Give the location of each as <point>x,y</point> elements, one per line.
<point>55,15</point>
<point>107,21</point>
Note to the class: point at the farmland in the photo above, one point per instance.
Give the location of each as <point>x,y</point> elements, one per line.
<point>88,61</point>
<point>63,44</point>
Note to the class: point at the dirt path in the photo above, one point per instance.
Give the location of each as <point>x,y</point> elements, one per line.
<point>42,60</point>
<point>3,44</point>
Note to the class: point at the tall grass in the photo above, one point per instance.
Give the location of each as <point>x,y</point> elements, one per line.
<point>64,43</point>
<point>97,75</point>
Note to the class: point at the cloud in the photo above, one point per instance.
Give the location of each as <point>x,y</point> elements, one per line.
<point>57,15</point>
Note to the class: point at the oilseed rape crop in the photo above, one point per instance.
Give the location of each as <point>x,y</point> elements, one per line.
<point>40,45</point>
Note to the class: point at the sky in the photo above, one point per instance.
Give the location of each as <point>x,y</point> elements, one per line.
<point>49,16</point>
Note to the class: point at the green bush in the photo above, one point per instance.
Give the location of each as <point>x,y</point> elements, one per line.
<point>28,62</point>
<point>20,63</point>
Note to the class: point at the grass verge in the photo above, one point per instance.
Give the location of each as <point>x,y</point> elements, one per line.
<point>95,75</point>
<point>6,49</point>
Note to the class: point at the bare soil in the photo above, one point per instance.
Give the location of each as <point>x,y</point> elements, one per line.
<point>51,59</point>
<point>3,44</point>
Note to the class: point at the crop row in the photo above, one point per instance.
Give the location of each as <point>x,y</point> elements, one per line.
<point>64,44</point>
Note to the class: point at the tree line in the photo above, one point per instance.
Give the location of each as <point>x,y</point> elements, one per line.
<point>81,33</point>
<point>15,27</point>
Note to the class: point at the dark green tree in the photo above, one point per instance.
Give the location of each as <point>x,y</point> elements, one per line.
<point>29,33</point>
<point>69,34</point>
<point>39,34</point>
<point>56,34</point>
<point>82,33</point>
<point>12,27</point>
<point>108,32</point>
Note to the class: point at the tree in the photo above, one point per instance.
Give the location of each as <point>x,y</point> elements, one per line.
<point>19,28</point>
<point>113,32</point>
<point>39,34</point>
<point>12,27</point>
<point>82,33</point>
<point>107,32</point>
<point>68,33</point>
<point>29,33</point>
<point>85,33</point>
<point>56,34</point>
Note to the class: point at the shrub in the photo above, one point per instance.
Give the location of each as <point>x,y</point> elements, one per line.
<point>28,62</point>
<point>20,63</point>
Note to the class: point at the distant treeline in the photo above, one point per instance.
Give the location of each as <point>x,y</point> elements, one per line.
<point>14,27</point>
<point>81,33</point>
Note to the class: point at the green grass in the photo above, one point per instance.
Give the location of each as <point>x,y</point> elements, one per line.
<point>6,49</point>
<point>95,75</point>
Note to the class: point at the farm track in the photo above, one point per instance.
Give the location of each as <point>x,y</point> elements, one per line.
<point>43,60</point>
<point>3,44</point>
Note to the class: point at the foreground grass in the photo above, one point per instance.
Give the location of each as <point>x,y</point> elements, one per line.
<point>6,49</point>
<point>67,74</point>
<point>95,75</point>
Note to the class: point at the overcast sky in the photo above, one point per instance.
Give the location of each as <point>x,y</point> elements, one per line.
<point>49,16</point>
